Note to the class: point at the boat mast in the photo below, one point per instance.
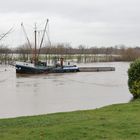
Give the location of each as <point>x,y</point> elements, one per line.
<point>29,43</point>
<point>42,38</point>
<point>35,53</point>
<point>26,36</point>
<point>5,34</point>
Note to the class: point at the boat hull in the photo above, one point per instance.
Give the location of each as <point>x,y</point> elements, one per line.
<point>25,69</point>
<point>29,70</point>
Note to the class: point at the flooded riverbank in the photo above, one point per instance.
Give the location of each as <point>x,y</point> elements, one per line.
<point>41,94</point>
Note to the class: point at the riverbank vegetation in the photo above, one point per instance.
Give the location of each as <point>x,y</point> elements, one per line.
<point>79,54</point>
<point>134,78</point>
<point>115,122</point>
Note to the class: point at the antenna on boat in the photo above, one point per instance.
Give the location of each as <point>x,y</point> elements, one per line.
<point>35,57</point>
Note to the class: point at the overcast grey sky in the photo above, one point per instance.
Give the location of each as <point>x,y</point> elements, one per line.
<point>88,22</point>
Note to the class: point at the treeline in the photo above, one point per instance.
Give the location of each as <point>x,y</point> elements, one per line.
<point>5,55</point>
<point>113,53</point>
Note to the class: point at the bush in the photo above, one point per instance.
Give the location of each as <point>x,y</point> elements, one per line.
<point>134,78</point>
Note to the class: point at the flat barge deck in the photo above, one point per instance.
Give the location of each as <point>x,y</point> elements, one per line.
<point>96,69</point>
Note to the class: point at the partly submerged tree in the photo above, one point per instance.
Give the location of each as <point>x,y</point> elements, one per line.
<point>4,50</point>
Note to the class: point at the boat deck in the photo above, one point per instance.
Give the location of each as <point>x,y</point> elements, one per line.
<point>96,69</point>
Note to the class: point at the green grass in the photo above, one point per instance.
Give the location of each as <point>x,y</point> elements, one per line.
<point>115,122</point>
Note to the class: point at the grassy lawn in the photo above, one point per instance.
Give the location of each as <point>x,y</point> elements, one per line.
<point>115,122</point>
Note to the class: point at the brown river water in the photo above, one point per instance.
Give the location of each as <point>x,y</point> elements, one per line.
<point>25,95</point>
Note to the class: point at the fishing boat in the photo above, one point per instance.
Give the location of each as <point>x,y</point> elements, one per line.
<point>37,67</point>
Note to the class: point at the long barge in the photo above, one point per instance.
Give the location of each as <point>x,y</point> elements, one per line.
<point>96,69</point>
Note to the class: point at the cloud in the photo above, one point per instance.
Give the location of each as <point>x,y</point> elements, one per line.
<point>80,10</point>
<point>92,22</point>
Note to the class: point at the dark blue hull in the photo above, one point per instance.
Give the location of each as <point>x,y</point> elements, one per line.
<point>24,69</point>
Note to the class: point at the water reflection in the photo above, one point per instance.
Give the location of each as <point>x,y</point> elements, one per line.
<point>23,95</point>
